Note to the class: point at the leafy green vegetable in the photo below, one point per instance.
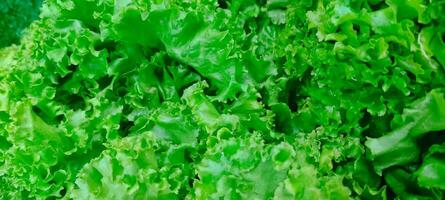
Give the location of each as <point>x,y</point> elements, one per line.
<point>233,99</point>
<point>16,15</point>
<point>426,115</point>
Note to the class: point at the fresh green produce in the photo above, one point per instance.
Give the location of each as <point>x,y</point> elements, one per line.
<point>240,99</point>
<point>16,15</point>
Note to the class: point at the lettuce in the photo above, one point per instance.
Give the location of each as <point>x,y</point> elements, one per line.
<point>15,16</point>
<point>240,99</point>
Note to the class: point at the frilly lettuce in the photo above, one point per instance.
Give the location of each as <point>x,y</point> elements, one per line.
<point>241,99</point>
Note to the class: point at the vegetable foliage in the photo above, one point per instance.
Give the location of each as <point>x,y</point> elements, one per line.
<point>241,99</point>
<point>16,15</point>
